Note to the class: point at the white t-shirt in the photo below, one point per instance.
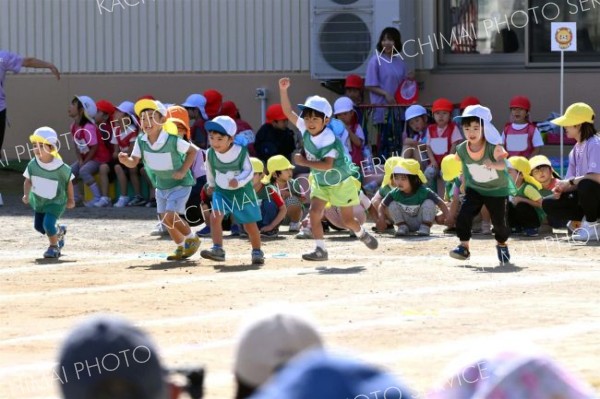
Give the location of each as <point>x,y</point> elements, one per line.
<point>325,138</point>
<point>182,145</point>
<point>537,139</point>
<point>222,179</point>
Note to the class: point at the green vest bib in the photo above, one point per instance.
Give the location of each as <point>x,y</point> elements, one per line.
<point>385,190</point>
<point>488,182</point>
<point>411,203</point>
<point>342,169</point>
<point>521,193</point>
<point>245,193</point>
<point>163,179</point>
<point>49,188</point>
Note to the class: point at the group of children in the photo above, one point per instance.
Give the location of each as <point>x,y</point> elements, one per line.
<point>188,157</point>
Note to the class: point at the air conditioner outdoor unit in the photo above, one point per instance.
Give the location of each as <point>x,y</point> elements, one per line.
<point>344,34</point>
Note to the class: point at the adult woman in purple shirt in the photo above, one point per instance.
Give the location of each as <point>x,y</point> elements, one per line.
<point>577,197</point>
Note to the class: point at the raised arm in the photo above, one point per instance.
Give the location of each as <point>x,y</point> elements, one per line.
<point>286,105</point>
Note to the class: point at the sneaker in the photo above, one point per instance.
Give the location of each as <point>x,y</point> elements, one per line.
<point>191,246</point>
<point>503,254</point>
<point>215,253</point>
<point>204,232</point>
<point>294,227</point>
<point>401,231</point>
<point>62,230</point>
<point>52,252</point>
<point>369,241</point>
<point>103,202</point>
<point>532,232</point>
<point>177,254</point>
<point>151,203</point>
<point>587,232</point>
<point>573,225</point>
<point>91,203</point>
<point>235,230</point>
<point>159,230</point>
<point>460,252</point>
<point>270,234</point>
<point>258,257</point>
<point>318,254</point>
<point>304,234</point>
<point>486,228</point>
<point>424,230</point>
<point>121,202</point>
<point>137,200</point>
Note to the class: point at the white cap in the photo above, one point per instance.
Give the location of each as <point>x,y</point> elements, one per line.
<point>47,134</point>
<point>196,101</point>
<point>127,107</point>
<point>89,106</point>
<point>413,111</point>
<point>490,132</point>
<point>342,104</point>
<point>269,343</point>
<point>222,124</point>
<point>317,103</point>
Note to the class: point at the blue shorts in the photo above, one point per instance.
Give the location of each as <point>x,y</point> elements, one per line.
<point>244,209</point>
<point>173,199</point>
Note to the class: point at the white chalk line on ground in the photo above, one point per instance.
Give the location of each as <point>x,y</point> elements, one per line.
<point>346,300</point>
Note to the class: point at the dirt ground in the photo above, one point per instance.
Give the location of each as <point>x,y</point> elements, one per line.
<point>407,307</point>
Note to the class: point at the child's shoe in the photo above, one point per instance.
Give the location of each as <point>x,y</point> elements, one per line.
<point>319,254</point>
<point>151,203</point>
<point>177,254</point>
<point>369,241</point>
<point>91,203</point>
<point>215,253</point>
<point>503,254</point>
<point>191,246</point>
<point>424,230</point>
<point>122,202</point>
<point>587,232</point>
<point>52,252</point>
<point>294,227</point>
<point>103,202</point>
<point>258,257</point>
<point>235,230</point>
<point>460,252</point>
<point>401,231</point>
<point>304,234</point>
<point>204,232</point>
<point>532,232</point>
<point>62,230</point>
<point>159,230</point>
<point>270,234</point>
<point>137,200</point>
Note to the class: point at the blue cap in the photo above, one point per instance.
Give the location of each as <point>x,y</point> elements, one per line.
<point>319,375</point>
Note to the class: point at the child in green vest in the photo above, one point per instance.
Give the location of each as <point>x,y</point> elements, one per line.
<point>167,160</point>
<point>525,212</point>
<point>411,205</point>
<point>48,188</point>
<point>229,175</point>
<point>383,223</point>
<point>486,180</point>
<point>272,206</point>
<point>332,174</point>
<point>543,172</point>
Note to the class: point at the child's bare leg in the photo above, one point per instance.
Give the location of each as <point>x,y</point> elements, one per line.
<point>216,230</point>
<point>169,220</point>
<point>294,212</point>
<point>206,214</point>
<point>317,206</point>
<point>347,213</point>
<point>182,226</point>
<point>253,234</point>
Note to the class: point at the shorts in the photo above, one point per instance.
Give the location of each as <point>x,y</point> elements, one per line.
<point>173,199</point>
<point>244,209</point>
<point>342,194</point>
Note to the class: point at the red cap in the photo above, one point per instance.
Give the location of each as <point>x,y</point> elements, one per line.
<point>275,113</point>
<point>469,100</point>
<point>229,109</point>
<point>106,106</point>
<point>442,104</point>
<point>353,82</point>
<point>520,102</point>
<point>214,101</point>
<point>146,97</point>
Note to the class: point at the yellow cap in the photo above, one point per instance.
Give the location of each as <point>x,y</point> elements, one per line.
<point>576,114</point>
<point>409,167</point>
<point>542,160</point>
<point>521,164</point>
<point>451,167</point>
<point>46,135</point>
<point>276,163</point>
<point>150,104</point>
<point>257,165</point>
<point>387,170</point>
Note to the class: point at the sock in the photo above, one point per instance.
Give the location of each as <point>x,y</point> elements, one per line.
<point>320,244</point>
<point>191,235</point>
<point>180,244</point>
<point>95,190</point>
<point>360,233</point>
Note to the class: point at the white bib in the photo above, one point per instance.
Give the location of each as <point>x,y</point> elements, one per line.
<point>43,187</point>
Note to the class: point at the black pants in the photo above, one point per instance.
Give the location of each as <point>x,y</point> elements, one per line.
<point>585,201</point>
<point>471,206</point>
<point>522,215</point>
<point>2,127</point>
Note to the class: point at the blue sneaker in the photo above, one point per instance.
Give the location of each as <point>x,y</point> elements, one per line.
<point>235,230</point>
<point>62,230</point>
<point>52,252</point>
<point>460,252</point>
<point>533,232</point>
<point>503,254</point>
<point>258,257</point>
<point>205,232</point>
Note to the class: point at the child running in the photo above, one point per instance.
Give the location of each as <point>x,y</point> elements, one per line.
<point>48,188</point>
<point>167,160</point>
<point>486,180</point>
<point>229,174</point>
<point>330,169</point>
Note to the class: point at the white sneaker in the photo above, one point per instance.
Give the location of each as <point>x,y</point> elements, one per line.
<point>121,202</point>
<point>587,232</point>
<point>294,226</point>
<point>103,202</point>
<point>159,230</point>
<point>91,203</point>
